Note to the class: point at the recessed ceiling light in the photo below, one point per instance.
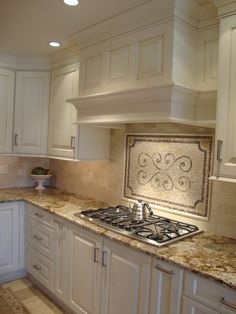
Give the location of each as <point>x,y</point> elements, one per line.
<point>71,2</point>
<point>54,44</point>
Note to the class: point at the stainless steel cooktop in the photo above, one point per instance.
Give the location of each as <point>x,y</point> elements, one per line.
<point>156,230</point>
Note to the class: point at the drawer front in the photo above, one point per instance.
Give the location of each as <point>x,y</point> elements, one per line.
<point>40,215</point>
<point>40,268</point>
<point>192,307</point>
<point>40,237</point>
<point>210,294</point>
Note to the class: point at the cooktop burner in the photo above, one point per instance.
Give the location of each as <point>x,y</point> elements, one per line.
<point>155,229</point>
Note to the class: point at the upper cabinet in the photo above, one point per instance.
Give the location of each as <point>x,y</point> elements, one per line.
<point>31,112</point>
<point>7,83</point>
<point>62,115</point>
<point>225,163</point>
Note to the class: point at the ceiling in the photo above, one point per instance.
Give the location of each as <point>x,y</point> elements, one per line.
<point>26,26</point>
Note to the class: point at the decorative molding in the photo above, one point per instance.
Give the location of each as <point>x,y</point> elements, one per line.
<point>154,104</point>
<point>170,171</point>
<point>64,57</point>
<point>225,7</point>
<point>24,63</point>
<point>146,14</point>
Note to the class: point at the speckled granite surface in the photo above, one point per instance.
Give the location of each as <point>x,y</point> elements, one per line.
<point>205,254</point>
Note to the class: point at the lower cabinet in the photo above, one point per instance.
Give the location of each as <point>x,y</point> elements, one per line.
<point>12,240</point>
<point>192,307</point>
<point>166,288</point>
<point>125,280</point>
<point>84,271</point>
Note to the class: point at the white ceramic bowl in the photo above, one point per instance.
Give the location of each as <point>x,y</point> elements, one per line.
<point>40,179</point>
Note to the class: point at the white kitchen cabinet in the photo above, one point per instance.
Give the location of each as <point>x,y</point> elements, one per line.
<point>192,307</point>
<point>60,273</point>
<point>225,165</point>
<point>125,280</point>
<point>12,241</point>
<point>7,83</point>
<point>31,112</point>
<point>209,294</point>
<point>166,288</point>
<point>62,115</point>
<point>84,271</point>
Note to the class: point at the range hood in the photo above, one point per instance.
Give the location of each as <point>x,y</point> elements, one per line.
<point>161,68</point>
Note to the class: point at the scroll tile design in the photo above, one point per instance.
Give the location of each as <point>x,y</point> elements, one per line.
<point>169,171</point>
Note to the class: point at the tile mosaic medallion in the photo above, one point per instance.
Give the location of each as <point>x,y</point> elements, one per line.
<point>170,171</point>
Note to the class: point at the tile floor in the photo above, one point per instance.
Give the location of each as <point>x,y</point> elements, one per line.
<point>32,298</point>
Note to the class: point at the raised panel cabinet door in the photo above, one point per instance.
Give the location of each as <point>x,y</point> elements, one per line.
<point>10,239</point>
<point>192,307</point>
<point>62,115</point>
<point>59,259</point>
<point>125,280</point>
<point>226,108</point>
<point>84,271</point>
<point>166,288</point>
<point>31,112</point>
<point>7,82</point>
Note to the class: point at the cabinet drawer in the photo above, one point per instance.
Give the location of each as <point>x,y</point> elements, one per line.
<point>206,292</point>
<point>193,307</point>
<point>40,268</point>
<point>40,215</point>
<point>40,237</point>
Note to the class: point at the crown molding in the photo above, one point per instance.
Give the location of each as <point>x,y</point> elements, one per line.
<point>225,7</point>
<point>12,62</point>
<point>64,57</point>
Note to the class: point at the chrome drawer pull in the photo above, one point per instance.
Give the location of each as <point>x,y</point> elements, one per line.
<point>39,215</point>
<point>219,147</point>
<point>95,254</point>
<point>38,268</point>
<point>167,272</point>
<point>104,262</point>
<point>37,237</point>
<point>224,302</point>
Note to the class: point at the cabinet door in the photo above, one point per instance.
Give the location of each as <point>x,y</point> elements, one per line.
<point>31,112</point>
<point>84,282</point>
<point>7,81</point>
<point>125,280</point>
<point>62,115</point>
<point>166,288</point>
<point>192,307</point>
<point>60,253</point>
<point>10,235</point>
<point>226,111</point>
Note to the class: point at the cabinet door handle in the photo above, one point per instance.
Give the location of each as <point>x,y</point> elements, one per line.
<point>166,271</point>
<point>39,215</point>
<point>104,259</point>
<point>224,302</point>
<point>95,254</point>
<point>59,223</point>
<point>219,147</point>
<point>37,237</point>
<point>38,268</point>
<point>16,139</point>
<point>72,142</point>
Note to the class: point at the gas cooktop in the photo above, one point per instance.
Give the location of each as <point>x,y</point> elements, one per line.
<point>156,230</point>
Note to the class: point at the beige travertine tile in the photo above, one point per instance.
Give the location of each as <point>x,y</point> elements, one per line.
<point>108,179</point>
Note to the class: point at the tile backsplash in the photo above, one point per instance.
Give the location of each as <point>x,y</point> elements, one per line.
<point>18,169</point>
<point>170,171</point>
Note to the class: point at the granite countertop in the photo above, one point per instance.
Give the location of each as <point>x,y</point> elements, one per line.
<point>205,254</point>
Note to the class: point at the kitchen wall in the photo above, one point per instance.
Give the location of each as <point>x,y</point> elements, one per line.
<point>104,180</point>
<point>18,169</point>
